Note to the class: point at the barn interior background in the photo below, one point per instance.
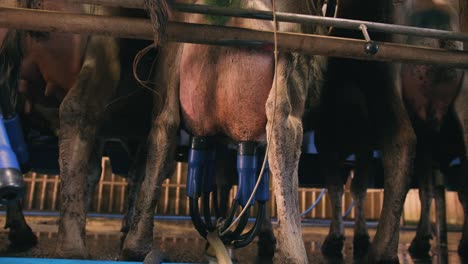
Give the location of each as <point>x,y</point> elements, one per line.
<point>42,195</point>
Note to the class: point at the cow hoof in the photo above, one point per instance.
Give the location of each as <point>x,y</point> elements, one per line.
<point>286,258</point>
<point>288,251</point>
<point>463,249</point>
<point>333,245</point>
<point>266,245</point>
<point>373,258</point>
<point>389,261</point>
<point>361,245</point>
<point>135,248</point>
<point>22,239</point>
<point>155,257</point>
<point>420,247</point>
<point>72,252</point>
<point>134,253</point>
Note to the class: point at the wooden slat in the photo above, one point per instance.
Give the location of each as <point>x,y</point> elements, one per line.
<point>37,200</point>
<point>303,201</point>
<point>55,192</point>
<point>111,193</point>
<point>122,196</point>
<point>314,197</point>
<point>43,192</point>
<point>101,186</point>
<point>166,196</point>
<point>178,186</point>
<point>32,191</point>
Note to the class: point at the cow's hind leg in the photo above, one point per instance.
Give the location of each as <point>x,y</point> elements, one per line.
<point>421,244</point>
<point>284,126</point>
<point>361,240</point>
<point>94,173</point>
<point>21,236</point>
<point>461,112</point>
<point>160,163</point>
<point>463,197</point>
<point>135,177</point>
<point>333,244</point>
<point>80,114</point>
<point>266,239</point>
<point>398,153</point>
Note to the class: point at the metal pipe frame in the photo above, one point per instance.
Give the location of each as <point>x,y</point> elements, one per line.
<point>40,20</point>
<point>290,17</point>
<point>136,4</point>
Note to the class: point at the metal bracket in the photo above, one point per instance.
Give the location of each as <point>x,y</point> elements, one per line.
<point>371,47</point>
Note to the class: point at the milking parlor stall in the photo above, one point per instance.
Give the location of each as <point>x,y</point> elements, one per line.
<point>139,172</point>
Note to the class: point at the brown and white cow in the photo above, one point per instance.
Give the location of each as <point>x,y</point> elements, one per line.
<point>20,234</point>
<point>398,108</point>
<point>87,84</point>
<point>229,91</point>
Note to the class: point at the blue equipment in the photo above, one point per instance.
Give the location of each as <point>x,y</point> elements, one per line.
<point>13,152</point>
<point>201,182</point>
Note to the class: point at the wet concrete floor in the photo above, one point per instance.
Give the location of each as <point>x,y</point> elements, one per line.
<point>179,242</point>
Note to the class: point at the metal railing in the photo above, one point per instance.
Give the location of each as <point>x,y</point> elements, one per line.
<point>109,198</point>
<point>41,20</point>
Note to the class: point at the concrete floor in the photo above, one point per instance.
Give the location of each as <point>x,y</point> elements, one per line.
<point>179,242</point>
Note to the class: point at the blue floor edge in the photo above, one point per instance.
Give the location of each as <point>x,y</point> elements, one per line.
<point>11,260</point>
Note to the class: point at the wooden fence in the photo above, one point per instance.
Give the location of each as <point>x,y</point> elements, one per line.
<point>42,195</point>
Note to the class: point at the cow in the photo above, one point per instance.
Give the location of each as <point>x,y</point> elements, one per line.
<point>230,92</point>
<point>395,107</point>
<point>437,155</point>
<point>20,234</point>
<point>83,87</point>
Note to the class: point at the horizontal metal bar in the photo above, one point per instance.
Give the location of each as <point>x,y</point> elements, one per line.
<point>40,20</point>
<point>325,21</point>
<point>295,18</point>
<point>320,20</point>
<point>137,4</point>
<point>52,21</point>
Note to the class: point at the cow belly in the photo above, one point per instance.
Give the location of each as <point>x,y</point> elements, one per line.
<point>428,92</point>
<point>224,90</point>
